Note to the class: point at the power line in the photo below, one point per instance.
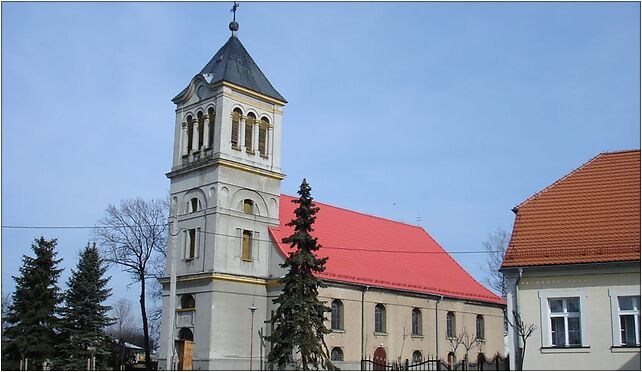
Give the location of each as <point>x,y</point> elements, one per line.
<point>239,237</point>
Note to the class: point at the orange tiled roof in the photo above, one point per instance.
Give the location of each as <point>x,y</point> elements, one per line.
<point>590,215</point>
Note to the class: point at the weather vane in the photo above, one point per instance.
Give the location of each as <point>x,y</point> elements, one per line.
<point>234,26</point>
<point>233,10</point>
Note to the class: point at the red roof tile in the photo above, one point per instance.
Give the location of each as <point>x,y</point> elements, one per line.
<point>591,215</point>
<point>364,249</point>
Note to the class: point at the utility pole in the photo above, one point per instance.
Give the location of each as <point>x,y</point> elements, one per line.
<point>252,310</point>
<point>172,296</point>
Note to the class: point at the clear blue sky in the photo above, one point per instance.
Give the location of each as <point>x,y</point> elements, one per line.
<point>452,112</point>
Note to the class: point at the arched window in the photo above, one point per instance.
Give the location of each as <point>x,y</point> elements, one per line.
<point>249,131</point>
<point>201,129</point>
<point>246,250</point>
<point>185,334</point>
<point>417,357</point>
<point>236,122</point>
<point>336,355</point>
<point>380,318</point>
<point>193,205</point>
<point>416,322</point>
<point>188,302</point>
<point>190,133</point>
<point>450,324</point>
<point>263,128</point>
<point>336,321</point>
<point>479,326</point>
<point>212,117</point>
<point>248,206</point>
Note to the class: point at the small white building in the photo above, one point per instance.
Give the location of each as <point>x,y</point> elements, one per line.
<point>573,269</point>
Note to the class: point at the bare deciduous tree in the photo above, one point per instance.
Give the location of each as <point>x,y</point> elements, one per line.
<point>495,247</point>
<point>134,236</point>
<point>524,331</point>
<point>123,327</point>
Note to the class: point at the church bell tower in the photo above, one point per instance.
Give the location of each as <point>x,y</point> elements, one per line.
<point>224,193</point>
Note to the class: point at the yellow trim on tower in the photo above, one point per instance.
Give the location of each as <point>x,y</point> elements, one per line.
<point>253,93</point>
<point>218,276</point>
<point>247,168</point>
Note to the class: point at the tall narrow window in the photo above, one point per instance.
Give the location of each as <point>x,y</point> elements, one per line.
<point>190,134</point>
<point>263,128</point>
<point>565,321</point>
<point>212,117</point>
<point>416,322</point>
<point>336,321</point>
<point>629,314</point>
<point>190,251</point>
<point>246,251</point>
<point>479,327</point>
<point>201,129</point>
<point>450,324</point>
<point>248,206</point>
<point>236,122</point>
<point>249,131</point>
<point>380,318</point>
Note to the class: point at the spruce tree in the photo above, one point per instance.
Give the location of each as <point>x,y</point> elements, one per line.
<point>300,316</point>
<point>84,315</point>
<point>32,321</point>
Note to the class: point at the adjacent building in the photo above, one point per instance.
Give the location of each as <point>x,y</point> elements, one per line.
<point>573,268</point>
<point>395,294</point>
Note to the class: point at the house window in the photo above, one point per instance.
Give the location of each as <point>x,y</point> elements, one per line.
<point>416,322</point>
<point>246,250</point>
<point>236,122</point>
<point>450,324</point>
<point>417,357</point>
<point>336,321</point>
<point>380,318</point>
<point>191,244</point>
<point>188,302</point>
<point>263,128</point>
<point>629,314</point>
<point>565,324</point>
<point>248,206</point>
<point>249,131</point>
<point>479,327</point>
<point>336,355</point>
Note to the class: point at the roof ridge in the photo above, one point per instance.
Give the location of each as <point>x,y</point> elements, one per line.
<point>364,214</point>
<point>559,180</point>
<point>258,67</point>
<point>618,152</point>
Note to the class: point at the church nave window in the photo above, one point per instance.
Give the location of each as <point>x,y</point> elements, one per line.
<point>249,131</point>
<point>236,122</point>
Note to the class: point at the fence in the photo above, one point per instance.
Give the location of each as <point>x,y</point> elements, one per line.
<point>433,364</point>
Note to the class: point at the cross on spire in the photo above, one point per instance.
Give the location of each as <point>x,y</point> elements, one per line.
<point>233,10</point>
<point>234,26</point>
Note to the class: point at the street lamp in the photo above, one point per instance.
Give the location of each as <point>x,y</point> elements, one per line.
<point>252,310</point>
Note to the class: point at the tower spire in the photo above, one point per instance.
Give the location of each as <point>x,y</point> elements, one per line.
<point>234,26</point>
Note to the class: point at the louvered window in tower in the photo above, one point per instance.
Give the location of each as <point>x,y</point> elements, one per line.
<point>249,131</point>
<point>212,117</point>
<point>190,134</point>
<point>263,128</point>
<point>236,122</point>
<point>201,130</point>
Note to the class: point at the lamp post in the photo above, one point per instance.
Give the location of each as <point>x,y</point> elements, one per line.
<point>252,310</point>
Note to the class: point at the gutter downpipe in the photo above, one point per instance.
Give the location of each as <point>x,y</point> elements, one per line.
<point>363,294</point>
<point>516,306</point>
<point>437,327</point>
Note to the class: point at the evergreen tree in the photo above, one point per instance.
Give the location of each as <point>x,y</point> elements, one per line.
<point>84,315</point>
<point>300,316</point>
<point>31,319</point>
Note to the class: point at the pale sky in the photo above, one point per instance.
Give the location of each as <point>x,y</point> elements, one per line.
<point>444,115</point>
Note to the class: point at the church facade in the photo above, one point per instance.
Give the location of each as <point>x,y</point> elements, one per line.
<point>394,292</point>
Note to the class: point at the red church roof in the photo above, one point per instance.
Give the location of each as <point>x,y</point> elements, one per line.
<point>374,251</point>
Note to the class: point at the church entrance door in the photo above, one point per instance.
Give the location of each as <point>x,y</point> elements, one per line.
<point>379,359</point>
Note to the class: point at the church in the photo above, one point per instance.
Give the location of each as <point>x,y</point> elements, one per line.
<point>395,293</point>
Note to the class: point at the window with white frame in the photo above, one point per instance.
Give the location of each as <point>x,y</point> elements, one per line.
<point>629,317</point>
<point>565,325</point>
